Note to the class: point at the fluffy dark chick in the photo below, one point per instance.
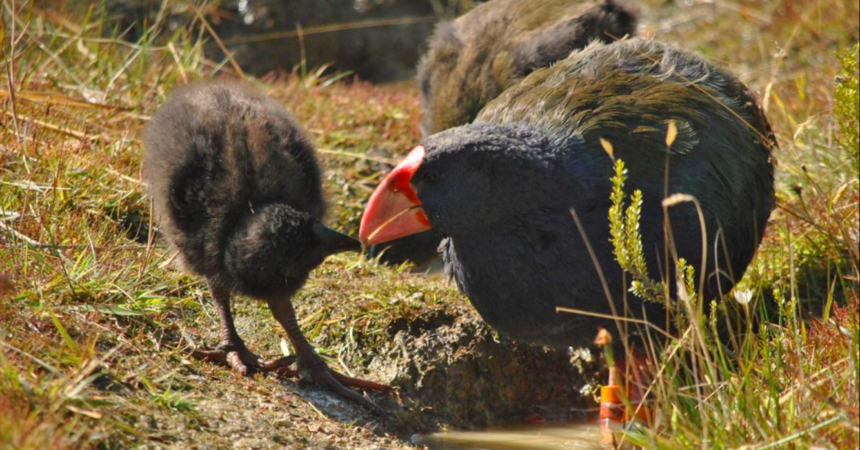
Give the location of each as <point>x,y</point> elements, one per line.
<point>236,190</point>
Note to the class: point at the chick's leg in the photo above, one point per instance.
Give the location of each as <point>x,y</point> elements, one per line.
<point>310,367</point>
<point>231,350</point>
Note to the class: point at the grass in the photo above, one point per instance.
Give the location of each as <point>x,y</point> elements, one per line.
<point>95,324</point>
<point>847,104</point>
<point>766,378</point>
<point>788,375</point>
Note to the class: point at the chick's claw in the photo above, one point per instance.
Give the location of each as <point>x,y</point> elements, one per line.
<point>317,372</point>
<point>238,358</point>
<point>321,374</point>
<point>359,383</point>
<point>327,377</point>
<point>282,366</point>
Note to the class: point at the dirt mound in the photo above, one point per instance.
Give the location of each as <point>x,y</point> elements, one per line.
<point>450,370</point>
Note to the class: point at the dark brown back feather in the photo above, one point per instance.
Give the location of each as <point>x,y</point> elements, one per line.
<point>475,58</point>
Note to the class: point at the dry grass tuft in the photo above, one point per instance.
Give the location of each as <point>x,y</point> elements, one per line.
<point>94,332</point>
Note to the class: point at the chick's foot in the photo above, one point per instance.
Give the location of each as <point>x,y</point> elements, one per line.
<point>311,369</point>
<point>234,355</point>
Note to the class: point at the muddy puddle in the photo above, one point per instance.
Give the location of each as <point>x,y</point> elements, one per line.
<point>585,436</point>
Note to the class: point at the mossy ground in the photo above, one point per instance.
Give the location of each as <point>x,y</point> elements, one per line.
<point>96,325</point>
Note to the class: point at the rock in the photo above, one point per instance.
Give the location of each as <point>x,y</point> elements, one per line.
<point>263,36</point>
<point>130,18</point>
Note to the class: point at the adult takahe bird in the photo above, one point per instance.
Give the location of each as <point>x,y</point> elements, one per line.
<point>236,191</point>
<point>472,60</point>
<point>501,190</point>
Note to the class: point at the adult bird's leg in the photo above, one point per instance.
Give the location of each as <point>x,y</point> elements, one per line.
<point>622,398</point>
<point>312,368</point>
<point>231,350</point>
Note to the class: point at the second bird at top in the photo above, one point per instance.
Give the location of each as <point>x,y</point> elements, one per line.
<point>475,58</point>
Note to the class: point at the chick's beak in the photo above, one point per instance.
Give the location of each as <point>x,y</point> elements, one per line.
<point>394,210</point>
<point>333,242</point>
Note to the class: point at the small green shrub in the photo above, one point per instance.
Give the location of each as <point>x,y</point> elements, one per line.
<point>848,103</point>
<point>626,239</point>
<point>733,373</point>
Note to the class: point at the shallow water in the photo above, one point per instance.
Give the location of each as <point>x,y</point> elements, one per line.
<point>570,437</point>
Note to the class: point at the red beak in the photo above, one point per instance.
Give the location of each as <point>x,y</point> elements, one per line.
<point>394,210</point>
